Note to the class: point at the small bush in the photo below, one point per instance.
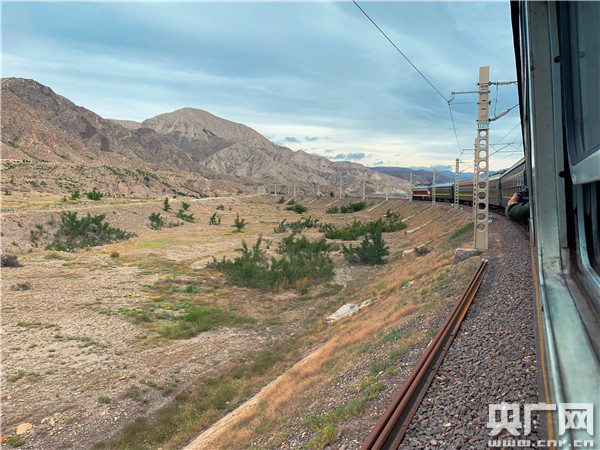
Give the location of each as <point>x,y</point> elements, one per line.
<point>25,286</point>
<point>10,261</point>
<point>75,195</point>
<point>86,232</point>
<point>183,216</point>
<point>281,228</point>
<point>215,219</point>
<point>291,201</point>
<point>238,223</point>
<point>281,200</point>
<point>371,250</point>
<point>103,400</point>
<point>94,195</point>
<point>421,251</point>
<point>356,229</point>
<point>53,255</point>
<point>114,254</point>
<point>353,207</point>
<point>297,208</point>
<point>156,221</point>
<point>15,441</point>
<point>332,210</point>
<point>185,205</point>
<point>166,205</point>
<point>220,207</point>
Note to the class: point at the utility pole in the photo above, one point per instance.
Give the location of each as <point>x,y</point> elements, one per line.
<point>456,188</point>
<point>481,174</point>
<point>411,189</point>
<point>433,189</point>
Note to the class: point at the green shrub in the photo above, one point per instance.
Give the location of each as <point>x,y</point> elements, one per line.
<point>166,205</point>
<point>291,201</point>
<point>200,319</point>
<point>370,251</point>
<point>185,205</point>
<point>356,229</point>
<point>238,223</point>
<point>303,261</point>
<point>220,207</point>
<point>281,200</point>
<point>353,207</point>
<point>86,232</point>
<point>156,221</point>
<point>94,195</point>
<point>215,219</point>
<point>297,208</point>
<point>75,195</point>
<point>183,216</point>
<point>281,228</point>
<point>332,210</point>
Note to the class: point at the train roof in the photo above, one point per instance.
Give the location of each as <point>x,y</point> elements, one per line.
<point>517,164</point>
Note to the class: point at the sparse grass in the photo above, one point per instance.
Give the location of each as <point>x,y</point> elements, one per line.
<point>103,400</point>
<point>15,441</point>
<point>20,374</point>
<point>199,319</point>
<point>468,228</point>
<point>201,405</point>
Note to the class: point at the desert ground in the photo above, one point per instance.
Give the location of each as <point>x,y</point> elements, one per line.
<point>88,359</point>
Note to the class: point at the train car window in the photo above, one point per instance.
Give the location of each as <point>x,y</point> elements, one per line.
<point>582,55</point>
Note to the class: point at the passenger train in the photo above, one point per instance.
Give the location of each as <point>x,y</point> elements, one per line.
<point>557,49</point>
<point>502,186</point>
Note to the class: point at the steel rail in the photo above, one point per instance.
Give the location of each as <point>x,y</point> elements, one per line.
<point>391,427</point>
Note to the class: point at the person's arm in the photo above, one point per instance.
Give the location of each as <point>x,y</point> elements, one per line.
<point>517,212</point>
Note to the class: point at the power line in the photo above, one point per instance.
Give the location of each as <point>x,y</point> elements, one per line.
<point>453,126</point>
<point>400,51</point>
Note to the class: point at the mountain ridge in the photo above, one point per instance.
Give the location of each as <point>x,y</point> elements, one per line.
<point>51,128</point>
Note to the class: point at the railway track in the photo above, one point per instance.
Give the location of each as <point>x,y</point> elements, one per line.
<point>391,427</point>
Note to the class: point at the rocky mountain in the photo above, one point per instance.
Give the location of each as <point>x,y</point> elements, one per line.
<point>235,149</point>
<point>101,138</point>
<point>40,125</point>
<point>420,176</point>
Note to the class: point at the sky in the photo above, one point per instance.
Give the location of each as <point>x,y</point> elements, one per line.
<point>313,76</point>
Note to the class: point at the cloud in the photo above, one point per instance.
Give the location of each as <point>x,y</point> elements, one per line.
<point>378,163</point>
<point>311,138</point>
<point>291,139</point>
<point>349,156</point>
<point>328,150</point>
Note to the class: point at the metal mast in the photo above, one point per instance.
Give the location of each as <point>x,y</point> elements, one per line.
<point>481,175</point>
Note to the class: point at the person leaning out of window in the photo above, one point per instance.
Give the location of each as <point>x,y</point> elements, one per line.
<point>518,207</point>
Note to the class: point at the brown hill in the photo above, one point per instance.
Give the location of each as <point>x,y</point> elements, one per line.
<point>190,148</point>
<point>233,148</point>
